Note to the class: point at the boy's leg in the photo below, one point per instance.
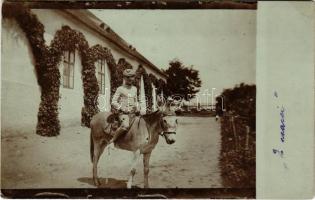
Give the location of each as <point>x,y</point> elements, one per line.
<point>124,120</point>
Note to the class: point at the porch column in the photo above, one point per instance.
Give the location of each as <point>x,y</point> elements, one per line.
<point>143,105</point>
<point>107,88</point>
<point>154,106</point>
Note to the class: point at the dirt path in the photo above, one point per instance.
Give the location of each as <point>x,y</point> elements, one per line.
<point>32,161</point>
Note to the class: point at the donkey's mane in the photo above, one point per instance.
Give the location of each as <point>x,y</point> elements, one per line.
<point>151,117</point>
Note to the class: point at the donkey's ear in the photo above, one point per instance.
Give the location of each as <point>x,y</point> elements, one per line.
<point>160,103</point>
<point>169,101</point>
<point>160,100</point>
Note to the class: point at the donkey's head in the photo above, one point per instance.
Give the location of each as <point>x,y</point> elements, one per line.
<point>168,120</point>
<point>169,126</point>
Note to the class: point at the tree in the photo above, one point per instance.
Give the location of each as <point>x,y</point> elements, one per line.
<point>182,81</point>
<point>240,100</point>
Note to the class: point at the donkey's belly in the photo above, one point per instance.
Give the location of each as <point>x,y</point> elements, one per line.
<point>130,143</point>
<point>126,146</point>
<point>136,137</point>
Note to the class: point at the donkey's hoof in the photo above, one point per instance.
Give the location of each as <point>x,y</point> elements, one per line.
<point>97,182</point>
<point>129,185</point>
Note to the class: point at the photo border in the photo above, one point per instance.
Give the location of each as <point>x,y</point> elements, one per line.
<point>138,193</point>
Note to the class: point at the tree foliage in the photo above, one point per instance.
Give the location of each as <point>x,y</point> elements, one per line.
<point>240,100</point>
<point>182,81</point>
<point>238,162</point>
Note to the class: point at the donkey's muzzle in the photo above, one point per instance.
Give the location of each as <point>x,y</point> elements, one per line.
<point>169,137</point>
<point>170,141</point>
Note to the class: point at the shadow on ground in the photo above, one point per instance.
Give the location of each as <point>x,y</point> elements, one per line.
<point>111,182</point>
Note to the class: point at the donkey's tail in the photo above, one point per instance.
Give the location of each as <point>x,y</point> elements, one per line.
<point>91,147</point>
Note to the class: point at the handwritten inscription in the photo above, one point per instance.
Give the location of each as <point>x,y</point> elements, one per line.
<point>279,152</point>
<point>282,126</point>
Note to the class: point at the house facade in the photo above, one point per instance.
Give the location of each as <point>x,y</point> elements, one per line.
<point>27,89</point>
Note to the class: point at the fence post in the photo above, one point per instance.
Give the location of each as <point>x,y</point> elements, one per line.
<point>247,138</point>
<point>234,133</point>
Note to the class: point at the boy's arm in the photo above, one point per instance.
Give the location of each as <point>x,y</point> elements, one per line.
<point>115,100</point>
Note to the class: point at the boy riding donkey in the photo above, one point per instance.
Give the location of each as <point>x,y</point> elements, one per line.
<point>125,104</point>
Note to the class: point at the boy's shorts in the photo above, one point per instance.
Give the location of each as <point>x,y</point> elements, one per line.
<point>124,120</point>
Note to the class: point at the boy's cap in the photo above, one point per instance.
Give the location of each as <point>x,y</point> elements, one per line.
<point>128,73</point>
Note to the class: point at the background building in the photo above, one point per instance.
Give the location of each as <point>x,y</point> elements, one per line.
<point>21,93</point>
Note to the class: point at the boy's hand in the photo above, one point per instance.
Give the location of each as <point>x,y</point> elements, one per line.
<point>123,110</point>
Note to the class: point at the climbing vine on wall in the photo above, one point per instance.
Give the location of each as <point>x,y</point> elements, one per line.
<point>161,86</point>
<point>48,58</point>
<point>97,52</point>
<point>158,83</point>
<point>67,39</point>
<point>153,79</point>
<point>47,74</point>
<point>141,72</point>
<point>121,66</point>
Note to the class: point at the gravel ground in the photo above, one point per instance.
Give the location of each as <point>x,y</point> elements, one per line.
<point>32,161</point>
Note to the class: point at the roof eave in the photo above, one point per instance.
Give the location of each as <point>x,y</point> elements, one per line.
<point>122,44</point>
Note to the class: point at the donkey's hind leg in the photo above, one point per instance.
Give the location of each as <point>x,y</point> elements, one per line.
<point>136,156</point>
<point>98,150</point>
<point>146,160</point>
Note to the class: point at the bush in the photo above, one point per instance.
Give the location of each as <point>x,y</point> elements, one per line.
<point>237,163</point>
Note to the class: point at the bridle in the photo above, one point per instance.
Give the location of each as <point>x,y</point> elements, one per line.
<point>164,128</point>
<point>161,125</point>
<point>163,133</point>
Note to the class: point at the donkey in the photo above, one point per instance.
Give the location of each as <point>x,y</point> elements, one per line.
<point>141,138</point>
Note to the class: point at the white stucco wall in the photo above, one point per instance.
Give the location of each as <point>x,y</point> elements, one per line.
<point>93,38</point>
<point>104,99</point>
<point>61,18</point>
<point>71,100</point>
<point>154,100</point>
<point>20,93</point>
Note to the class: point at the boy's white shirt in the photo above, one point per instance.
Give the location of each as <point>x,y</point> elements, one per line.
<point>125,98</point>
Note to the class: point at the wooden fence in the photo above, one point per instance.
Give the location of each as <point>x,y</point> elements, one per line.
<point>238,151</point>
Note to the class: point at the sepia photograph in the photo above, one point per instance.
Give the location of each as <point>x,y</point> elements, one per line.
<point>128,99</point>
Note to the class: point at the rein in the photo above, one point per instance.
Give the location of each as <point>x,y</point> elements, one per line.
<point>162,126</point>
<point>163,132</point>
<point>146,124</point>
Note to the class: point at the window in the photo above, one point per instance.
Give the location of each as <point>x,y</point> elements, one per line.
<point>101,75</point>
<point>68,69</point>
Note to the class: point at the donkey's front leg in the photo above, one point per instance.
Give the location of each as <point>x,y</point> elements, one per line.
<point>136,156</point>
<point>99,146</point>
<point>146,160</point>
